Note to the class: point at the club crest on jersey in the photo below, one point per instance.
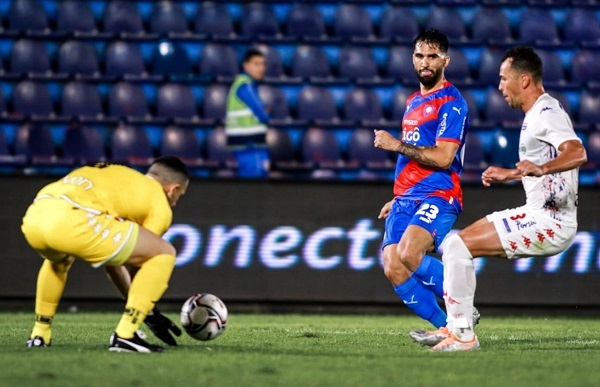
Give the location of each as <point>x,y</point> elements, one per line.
<point>524,126</point>
<point>428,109</point>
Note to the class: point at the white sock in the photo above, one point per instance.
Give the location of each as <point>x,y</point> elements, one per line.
<point>459,287</point>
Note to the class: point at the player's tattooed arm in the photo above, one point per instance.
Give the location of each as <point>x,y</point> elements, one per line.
<point>440,155</point>
<point>416,153</point>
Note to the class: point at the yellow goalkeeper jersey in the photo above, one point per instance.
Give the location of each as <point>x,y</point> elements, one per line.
<point>118,191</point>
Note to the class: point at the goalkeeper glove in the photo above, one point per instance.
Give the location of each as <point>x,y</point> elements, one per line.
<point>162,326</point>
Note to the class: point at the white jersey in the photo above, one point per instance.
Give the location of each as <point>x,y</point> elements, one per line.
<point>545,127</point>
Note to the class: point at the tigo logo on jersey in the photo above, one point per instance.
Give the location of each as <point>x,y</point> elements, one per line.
<point>411,135</point>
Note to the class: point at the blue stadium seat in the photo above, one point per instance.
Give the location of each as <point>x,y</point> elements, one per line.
<point>310,62</point>
<point>32,99</point>
<point>124,59</point>
<point>491,25</point>
<point>213,19</point>
<point>216,149</point>
<point>589,108</point>
<point>180,142</point>
<point>321,148</point>
<point>82,101</point>
<point>84,144</point>
<point>362,105</point>
<point>176,102</point>
<point>29,57</point>
<point>357,62</point>
<point>474,162</point>
<point>123,17</point>
<point>305,21</point>
<point>3,146</point>
<point>593,151</point>
<point>399,24</point>
<point>74,16</point>
<point>362,151</point>
<point>259,21</point>
<point>584,67</point>
<point>582,26</point>
<point>168,18</point>
<point>489,66</point>
<point>7,159</point>
<point>281,152</point>
<point>35,142</point>
<point>316,103</point>
<point>127,100</point>
<point>218,61</point>
<point>400,66</point>
<point>537,26</point>
<point>214,105</point>
<point>498,112</point>
<point>170,60</point>
<point>504,151</point>
<point>27,16</point>
<point>184,144</point>
<point>351,22</point>
<point>131,145</point>
<point>274,101</point>
<point>399,102</point>
<point>472,104</point>
<point>554,74</point>
<point>273,63</point>
<point>458,71</point>
<point>78,59</point>
<point>459,3</point>
<point>448,21</point>
<point>3,112</point>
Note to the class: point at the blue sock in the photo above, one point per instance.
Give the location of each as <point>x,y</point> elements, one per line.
<point>421,300</point>
<point>431,273</point>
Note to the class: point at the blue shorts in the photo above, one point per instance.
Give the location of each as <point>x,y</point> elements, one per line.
<point>252,162</point>
<point>434,214</point>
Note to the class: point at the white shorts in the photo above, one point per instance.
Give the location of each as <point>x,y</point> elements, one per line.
<point>525,232</point>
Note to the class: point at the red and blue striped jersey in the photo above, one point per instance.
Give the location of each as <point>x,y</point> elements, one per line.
<point>438,116</point>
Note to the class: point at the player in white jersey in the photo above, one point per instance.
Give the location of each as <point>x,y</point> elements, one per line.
<point>550,154</point>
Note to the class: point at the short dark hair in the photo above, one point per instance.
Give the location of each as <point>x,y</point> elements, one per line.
<point>251,53</point>
<point>171,166</point>
<point>525,59</point>
<point>433,36</point>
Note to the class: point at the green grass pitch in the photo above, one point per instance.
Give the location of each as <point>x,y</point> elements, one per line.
<point>306,350</point>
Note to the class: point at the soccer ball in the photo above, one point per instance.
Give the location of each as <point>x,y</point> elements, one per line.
<point>204,316</point>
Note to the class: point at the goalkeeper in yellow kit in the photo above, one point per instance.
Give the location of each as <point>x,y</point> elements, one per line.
<point>108,215</point>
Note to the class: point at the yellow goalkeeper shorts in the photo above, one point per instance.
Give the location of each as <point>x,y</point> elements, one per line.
<point>56,227</point>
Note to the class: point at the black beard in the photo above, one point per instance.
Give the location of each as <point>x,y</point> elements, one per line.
<point>430,81</point>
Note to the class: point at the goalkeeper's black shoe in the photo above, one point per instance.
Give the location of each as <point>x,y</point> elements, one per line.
<point>37,341</point>
<point>135,344</point>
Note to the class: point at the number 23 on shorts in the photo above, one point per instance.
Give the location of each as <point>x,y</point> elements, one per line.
<point>428,212</point>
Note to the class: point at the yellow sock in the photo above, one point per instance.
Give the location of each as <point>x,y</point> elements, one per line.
<point>147,287</point>
<point>50,285</point>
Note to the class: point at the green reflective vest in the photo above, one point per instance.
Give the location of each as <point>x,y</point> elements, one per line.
<point>241,126</point>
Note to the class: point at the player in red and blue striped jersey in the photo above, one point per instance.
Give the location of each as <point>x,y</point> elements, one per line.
<point>427,193</point>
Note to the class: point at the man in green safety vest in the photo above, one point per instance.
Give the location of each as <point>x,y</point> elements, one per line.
<point>246,123</point>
